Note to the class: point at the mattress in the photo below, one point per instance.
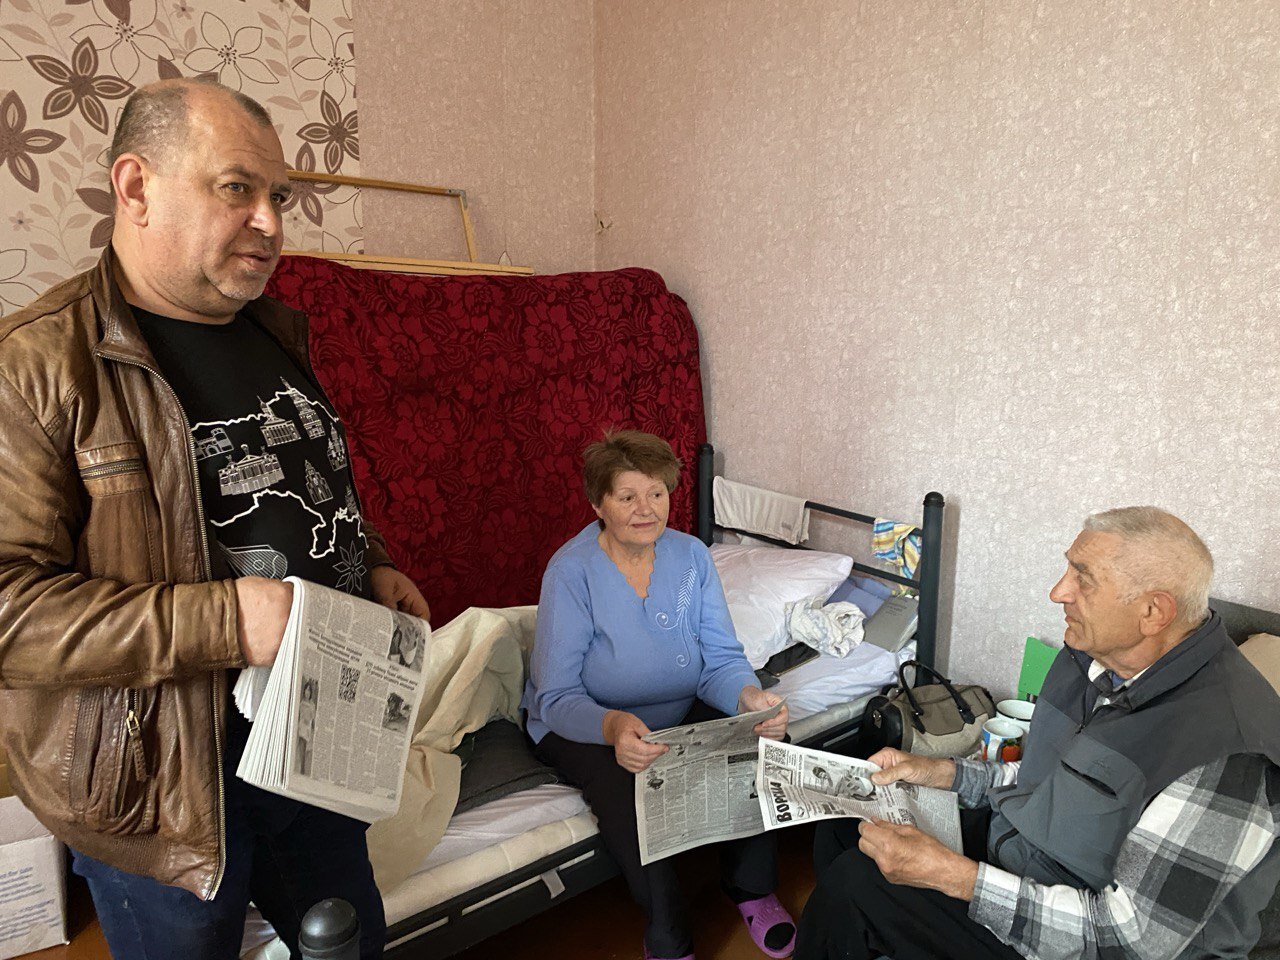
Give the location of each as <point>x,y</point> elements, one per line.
<point>828,691</point>
<point>500,820</point>
<point>431,887</point>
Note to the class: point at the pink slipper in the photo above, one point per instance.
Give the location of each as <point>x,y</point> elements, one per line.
<point>762,916</point>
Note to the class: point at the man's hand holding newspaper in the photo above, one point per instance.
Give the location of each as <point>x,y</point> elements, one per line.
<point>334,712</point>
<point>905,854</point>
<point>896,765</point>
<point>797,785</point>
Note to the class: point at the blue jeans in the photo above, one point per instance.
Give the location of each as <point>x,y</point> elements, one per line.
<point>283,855</point>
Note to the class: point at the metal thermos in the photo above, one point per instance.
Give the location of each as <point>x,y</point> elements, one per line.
<point>330,931</point>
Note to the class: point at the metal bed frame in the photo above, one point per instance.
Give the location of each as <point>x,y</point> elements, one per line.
<point>927,576</point>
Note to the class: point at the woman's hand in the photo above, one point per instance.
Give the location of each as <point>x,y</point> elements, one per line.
<point>912,768</point>
<point>393,589</point>
<point>752,699</point>
<point>623,732</point>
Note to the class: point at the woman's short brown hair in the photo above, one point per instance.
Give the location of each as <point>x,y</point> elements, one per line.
<point>623,450</point>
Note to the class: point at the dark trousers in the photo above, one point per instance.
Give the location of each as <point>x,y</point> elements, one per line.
<point>283,855</point>
<point>748,867</point>
<point>856,914</point>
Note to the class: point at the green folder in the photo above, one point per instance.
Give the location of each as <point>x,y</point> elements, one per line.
<point>1037,658</point>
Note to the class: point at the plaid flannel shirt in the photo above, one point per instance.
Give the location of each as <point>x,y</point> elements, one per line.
<point>1196,839</point>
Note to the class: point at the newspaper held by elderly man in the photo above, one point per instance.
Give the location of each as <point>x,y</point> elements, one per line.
<point>800,785</point>
<point>333,716</point>
<point>702,790</point>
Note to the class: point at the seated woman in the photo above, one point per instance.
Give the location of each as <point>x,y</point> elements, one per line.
<point>634,635</point>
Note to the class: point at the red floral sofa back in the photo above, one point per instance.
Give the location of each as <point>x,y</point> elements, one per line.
<point>468,402</point>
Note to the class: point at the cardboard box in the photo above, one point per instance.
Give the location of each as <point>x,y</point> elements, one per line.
<point>33,891</point>
<point>5,790</point>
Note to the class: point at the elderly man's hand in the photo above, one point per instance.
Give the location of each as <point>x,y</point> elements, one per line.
<point>393,589</point>
<point>913,768</point>
<point>907,856</point>
<point>752,699</point>
<point>623,731</point>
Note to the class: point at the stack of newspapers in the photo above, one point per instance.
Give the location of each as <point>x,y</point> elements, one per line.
<point>334,715</point>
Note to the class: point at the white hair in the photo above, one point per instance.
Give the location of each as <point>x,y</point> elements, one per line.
<point>1159,552</point>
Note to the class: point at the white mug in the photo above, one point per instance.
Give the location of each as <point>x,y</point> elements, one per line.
<point>1001,740</point>
<point>1016,711</point>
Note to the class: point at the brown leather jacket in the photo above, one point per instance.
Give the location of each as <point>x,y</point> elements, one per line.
<point>113,639</point>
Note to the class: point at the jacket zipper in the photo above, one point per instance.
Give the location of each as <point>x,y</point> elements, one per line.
<point>133,736</point>
<point>204,556</point>
<point>1085,714</point>
<point>132,465</point>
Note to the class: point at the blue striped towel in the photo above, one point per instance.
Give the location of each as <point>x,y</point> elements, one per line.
<point>897,543</point>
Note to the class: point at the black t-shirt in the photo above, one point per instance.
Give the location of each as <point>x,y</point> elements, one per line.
<point>271,459</point>
<point>275,480</point>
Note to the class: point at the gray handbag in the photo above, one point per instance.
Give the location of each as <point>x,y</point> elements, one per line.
<point>936,719</point>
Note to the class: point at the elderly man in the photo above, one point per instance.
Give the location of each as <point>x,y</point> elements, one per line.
<point>162,438</point>
<point>1141,822</point>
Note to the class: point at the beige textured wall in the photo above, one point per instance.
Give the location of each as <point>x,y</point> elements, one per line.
<point>492,97</point>
<point>1020,252</point>
<point>67,69</point>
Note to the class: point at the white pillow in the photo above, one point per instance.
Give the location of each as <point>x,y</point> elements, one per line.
<point>759,582</point>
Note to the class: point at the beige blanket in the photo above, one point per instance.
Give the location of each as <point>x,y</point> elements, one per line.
<point>475,673</point>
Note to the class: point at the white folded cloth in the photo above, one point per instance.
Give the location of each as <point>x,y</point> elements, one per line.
<point>765,512</point>
<point>835,628</point>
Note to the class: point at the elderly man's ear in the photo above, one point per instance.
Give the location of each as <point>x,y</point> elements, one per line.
<point>129,177</point>
<point>1159,610</point>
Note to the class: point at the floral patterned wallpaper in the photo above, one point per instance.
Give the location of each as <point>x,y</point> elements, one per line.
<point>67,66</point>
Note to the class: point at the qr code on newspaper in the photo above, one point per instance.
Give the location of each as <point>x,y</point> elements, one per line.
<point>347,684</point>
<point>776,755</point>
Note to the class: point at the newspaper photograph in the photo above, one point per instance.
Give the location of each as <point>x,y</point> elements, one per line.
<point>799,785</point>
<point>702,789</point>
<point>333,716</point>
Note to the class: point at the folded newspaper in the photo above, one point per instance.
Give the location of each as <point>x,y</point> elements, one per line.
<point>798,785</point>
<point>720,781</point>
<point>333,716</point>
<point>702,789</point>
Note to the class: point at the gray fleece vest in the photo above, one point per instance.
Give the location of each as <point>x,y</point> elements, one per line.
<point>1088,775</point>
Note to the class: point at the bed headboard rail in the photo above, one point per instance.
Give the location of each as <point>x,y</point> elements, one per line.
<point>928,575</point>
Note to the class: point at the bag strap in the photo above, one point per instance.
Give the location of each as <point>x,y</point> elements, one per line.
<point>916,713</point>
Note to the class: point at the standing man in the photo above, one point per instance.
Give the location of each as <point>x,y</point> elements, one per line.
<point>1141,822</point>
<point>167,456</point>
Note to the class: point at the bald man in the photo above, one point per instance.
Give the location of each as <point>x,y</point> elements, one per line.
<point>1141,822</point>
<point>162,434</point>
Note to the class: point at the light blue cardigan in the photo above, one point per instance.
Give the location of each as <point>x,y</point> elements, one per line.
<point>599,647</point>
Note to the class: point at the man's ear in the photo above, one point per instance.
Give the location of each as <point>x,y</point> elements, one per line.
<point>1159,610</point>
<point>130,177</point>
